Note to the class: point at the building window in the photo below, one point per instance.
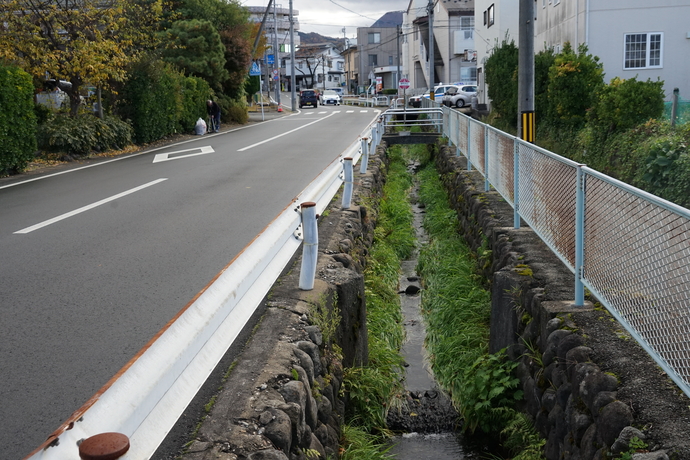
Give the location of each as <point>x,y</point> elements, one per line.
<point>556,2</point>
<point>643,51</point>
<point>390,60</point>
<point>485,16</point>
<point>373,60</point>
<point>543,3</point>
<point>490,16</point>
<point>374,38</point>
<point>467,26</point>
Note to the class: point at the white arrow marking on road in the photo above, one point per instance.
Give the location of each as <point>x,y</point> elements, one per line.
<point>45,223</point>
<point>166,156</point>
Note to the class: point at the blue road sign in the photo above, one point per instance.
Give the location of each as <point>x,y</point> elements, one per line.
<point>255,70</point>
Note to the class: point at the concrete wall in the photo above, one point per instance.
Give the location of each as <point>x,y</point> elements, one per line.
<point>588,386</point>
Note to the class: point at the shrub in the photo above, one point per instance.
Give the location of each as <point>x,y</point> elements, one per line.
<point>624,104</point>
<point>501,78</point>
<point>81,135</point>
<point>195,93</point>
<point>237,112</point>
<point>17,120</point>
<point>574,82</point>
<point>152,100</point>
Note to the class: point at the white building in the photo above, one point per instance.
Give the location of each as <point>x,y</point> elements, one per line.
<point>494,21</point>
<point>455,57</point>
<point>277,31</point>
<point>318,66</point>
<point>633,38</point>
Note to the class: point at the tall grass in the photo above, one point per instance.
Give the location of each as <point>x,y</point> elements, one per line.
<point>457,310</point>
<point>372,389</point>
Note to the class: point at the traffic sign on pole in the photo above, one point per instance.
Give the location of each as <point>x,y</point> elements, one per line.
<point>404,83</point>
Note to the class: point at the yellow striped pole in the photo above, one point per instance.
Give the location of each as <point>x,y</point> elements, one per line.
<point>529,126</point>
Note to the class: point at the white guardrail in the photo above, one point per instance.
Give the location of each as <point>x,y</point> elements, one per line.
<point>147,396</point>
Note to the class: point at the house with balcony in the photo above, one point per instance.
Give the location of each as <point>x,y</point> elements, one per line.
<point>455,53</point>
<point>632,38</point>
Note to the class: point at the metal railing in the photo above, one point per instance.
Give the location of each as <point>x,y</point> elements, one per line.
<point>145,399</point>
<point>629,248</point>
<point>405,118</point>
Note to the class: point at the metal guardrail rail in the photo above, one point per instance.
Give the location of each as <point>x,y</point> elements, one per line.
<point>629,248</point>
<point>145,399</point>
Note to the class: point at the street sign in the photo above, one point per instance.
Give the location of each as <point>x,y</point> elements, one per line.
<point>404,83</point>
<point>254,71</point>
<point>270,59</point>
<point>276,74</point>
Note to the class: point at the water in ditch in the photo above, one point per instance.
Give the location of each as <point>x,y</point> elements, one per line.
<point>428,420</point>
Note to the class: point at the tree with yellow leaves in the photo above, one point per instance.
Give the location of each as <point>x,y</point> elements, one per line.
<point>77,41</point>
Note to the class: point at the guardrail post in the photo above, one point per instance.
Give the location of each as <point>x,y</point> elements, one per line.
<point>580,237</point>
<point>104,446</point>
<point>374,137</point>
<point>365,155</point>
<point>310,246</point>
<point>347,188</point>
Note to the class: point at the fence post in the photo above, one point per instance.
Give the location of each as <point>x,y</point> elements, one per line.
<point>469,145</point>
<point>580,237</point>
<point>365,155</point>
<point>487,184</point>
<point>674,106</point>
<point>516,183</point>
<point>347,188</point>
<point>310,246</point>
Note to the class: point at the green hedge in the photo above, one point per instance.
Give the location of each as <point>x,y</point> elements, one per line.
<point>17,120</point>
<point>83,134</point>
<point>159,100</point>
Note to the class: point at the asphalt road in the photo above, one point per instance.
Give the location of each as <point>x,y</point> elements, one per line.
<point>95,260</point>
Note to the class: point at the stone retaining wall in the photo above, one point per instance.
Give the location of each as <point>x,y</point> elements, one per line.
<point>281,399</point>
<point>588,386</point>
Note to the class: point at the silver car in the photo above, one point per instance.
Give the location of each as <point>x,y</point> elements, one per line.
<point>459,96</point>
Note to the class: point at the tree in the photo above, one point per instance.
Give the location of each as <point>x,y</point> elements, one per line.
<point>312,56</point>
<point>79,41</point>
<point>501,78</point>
<point>195,47</point>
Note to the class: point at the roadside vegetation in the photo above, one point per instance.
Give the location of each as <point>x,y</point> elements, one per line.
<point>371,390</point>
<point>143,70</point>
<point>616,128</point>
<point>456,308</point>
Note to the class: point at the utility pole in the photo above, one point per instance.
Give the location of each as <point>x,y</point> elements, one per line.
<point>431,50</point>
<point>276,54</point>
<point>293,97</point>
<point>526,116</point>
<point>398,76</point>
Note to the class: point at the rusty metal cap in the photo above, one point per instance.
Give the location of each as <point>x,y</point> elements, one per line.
<point>104,446</point>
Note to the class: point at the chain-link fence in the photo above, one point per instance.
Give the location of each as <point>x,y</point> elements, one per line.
<point>682,111</point>
<point>629,248</point>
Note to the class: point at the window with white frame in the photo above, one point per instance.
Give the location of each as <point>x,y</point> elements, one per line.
<point>374,38</point>
<point>467,26</point>
<point>556,2</point>
<point>643,50</point>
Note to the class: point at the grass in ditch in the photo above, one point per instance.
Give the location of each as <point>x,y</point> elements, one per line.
<point>373,388</point>
<point>457,310</point>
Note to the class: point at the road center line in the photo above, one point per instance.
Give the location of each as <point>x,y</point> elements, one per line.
<point>283,134</point>
<point>87,207</point>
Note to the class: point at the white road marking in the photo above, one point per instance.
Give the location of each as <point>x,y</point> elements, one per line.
<point>281,135</point>
<point>166,156</point>
<point>350,111</point>
<point>87,207</point>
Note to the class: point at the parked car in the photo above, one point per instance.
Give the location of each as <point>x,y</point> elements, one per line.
<point>308,97</point>
<point>459,96</point>
<point>340,92</point>
<point>329,96</point>
<point>439,91</point>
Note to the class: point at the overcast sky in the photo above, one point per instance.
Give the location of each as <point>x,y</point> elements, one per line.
<point>329,17</point>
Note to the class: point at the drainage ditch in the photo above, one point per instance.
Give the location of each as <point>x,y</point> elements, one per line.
<point>430,425</point>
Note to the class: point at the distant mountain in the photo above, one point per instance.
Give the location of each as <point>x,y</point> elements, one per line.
<point>313,38</point>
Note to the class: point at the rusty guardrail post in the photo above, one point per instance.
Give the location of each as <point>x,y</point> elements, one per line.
<point>310,246</point>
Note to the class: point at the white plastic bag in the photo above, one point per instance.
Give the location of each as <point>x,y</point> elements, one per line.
<point>200,127</point>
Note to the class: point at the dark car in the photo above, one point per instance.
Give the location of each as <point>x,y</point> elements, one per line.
<point>308,97</point>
